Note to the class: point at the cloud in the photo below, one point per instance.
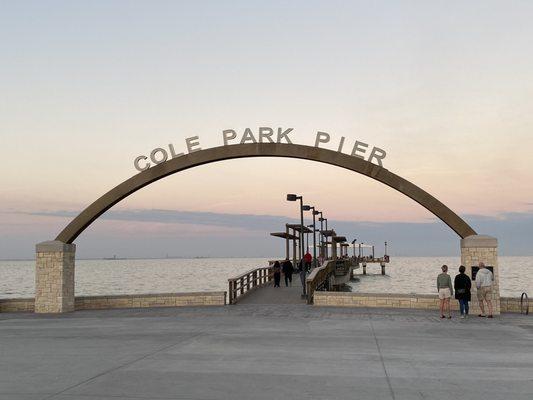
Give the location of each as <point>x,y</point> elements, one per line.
<point>154,232</point>
<point>246,221</point>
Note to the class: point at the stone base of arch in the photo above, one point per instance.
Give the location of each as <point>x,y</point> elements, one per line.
<point>476,249</point>
<point>54,277</point>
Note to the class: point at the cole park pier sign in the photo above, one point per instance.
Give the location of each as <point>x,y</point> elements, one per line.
<point>55,259</point>
<point>261,135</point>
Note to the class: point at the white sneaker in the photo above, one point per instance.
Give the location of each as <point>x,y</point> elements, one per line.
<point>462,317</point>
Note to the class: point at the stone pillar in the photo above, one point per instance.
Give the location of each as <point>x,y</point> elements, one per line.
<point>481,248</point>
<point>54,277</point>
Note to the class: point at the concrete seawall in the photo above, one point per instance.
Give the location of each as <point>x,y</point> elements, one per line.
<point>332,299</point>
<point>397,300</point>
<point>126,301</point>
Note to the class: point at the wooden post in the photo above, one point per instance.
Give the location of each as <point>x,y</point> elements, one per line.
<point>382,268</point>
<point>364,269</point>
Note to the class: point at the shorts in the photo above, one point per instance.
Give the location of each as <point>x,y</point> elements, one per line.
<point>444,293</point>
<point>484,293</point>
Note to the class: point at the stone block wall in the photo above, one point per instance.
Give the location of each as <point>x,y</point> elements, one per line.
<point>151,300</point>
<point>54,277</point>
<point>126,301</point>
<point>392,300</point>
<point>17,305</point>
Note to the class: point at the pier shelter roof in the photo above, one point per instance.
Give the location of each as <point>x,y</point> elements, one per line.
<point>338,239</point>
<point>285,235</point>
<point>298,227</point>
<point>329,232</point>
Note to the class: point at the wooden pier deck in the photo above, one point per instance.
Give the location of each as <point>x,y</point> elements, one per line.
<point>269,294</point>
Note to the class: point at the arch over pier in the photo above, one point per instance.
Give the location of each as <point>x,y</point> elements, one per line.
<point>55,259</point>
<point>215,154</point>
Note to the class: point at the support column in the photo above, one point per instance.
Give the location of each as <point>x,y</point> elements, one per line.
<point>382,268</point>
<point>287,242</point>
<point>54,277</point>
<point>481,248</point>
<point>333,249</point>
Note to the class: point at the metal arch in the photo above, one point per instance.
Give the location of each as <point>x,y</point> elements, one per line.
<point>214,154</point>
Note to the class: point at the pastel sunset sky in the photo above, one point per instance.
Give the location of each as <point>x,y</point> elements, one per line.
<point>445,87</point>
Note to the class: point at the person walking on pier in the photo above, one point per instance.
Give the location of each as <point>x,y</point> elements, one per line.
<point>308,259</point>
<point>277,273</point>
<point>288,269</point>
<point>445,289</point>
<point>462,285</point>
<point>484,289</point>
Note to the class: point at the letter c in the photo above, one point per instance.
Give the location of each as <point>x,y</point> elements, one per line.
<point>138,167</point>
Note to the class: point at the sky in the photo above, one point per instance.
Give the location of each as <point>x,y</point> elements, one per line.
<point>445,87</point>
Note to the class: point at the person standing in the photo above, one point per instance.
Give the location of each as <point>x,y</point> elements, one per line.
<point>445,289</point>
<point>484,289</point>
<point>288,270</point>
<point>308,259</point>
<point>462,285</point>
<point>277,273</point>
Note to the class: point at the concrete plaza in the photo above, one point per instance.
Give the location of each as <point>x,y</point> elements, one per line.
<point>251,351</point>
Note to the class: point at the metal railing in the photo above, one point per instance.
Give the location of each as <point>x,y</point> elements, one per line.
<point>242,284</point>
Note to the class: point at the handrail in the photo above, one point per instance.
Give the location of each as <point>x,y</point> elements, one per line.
<point>242,284</point>
<point>318,277</point>
<point>524,303</point>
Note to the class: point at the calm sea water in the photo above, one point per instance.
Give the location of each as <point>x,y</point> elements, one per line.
<point>99,277</point>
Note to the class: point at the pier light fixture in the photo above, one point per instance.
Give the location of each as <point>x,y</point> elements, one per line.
<point>324,242</point>
<point>306,208</point>
<point>294,197</point>
<point>315,213</point>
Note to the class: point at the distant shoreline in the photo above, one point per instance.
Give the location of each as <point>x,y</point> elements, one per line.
<point>221,257</point>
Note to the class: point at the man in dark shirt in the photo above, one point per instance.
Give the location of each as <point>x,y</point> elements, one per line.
<point>287,269</point>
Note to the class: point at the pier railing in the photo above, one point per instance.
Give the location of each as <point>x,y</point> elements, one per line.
<point>242,284</point>
<point>318,278</point>
<point>322,278</point>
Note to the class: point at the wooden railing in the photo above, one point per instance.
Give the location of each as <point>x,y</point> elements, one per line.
<point>319,278</point>
<point>242,284</point>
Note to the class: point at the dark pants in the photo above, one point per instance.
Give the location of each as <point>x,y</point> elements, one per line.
<point>288,278</point>
<point>277,278</point>
<point>463,306</point>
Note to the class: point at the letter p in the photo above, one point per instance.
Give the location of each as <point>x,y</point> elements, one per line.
<point>321,137</point>
<point>228,134</point>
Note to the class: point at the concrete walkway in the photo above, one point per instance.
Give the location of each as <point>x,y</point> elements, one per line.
<point>264,352</point>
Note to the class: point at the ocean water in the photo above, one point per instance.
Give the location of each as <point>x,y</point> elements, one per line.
<point>102,277</point>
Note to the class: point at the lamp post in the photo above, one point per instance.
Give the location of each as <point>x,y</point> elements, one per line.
<point>353,242</point>
<point>325,246</point>
<point>385,248</point>
<point>321,219</point>
<point>315,213</point>
<point>293,197</point>
<point>307,237</point>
